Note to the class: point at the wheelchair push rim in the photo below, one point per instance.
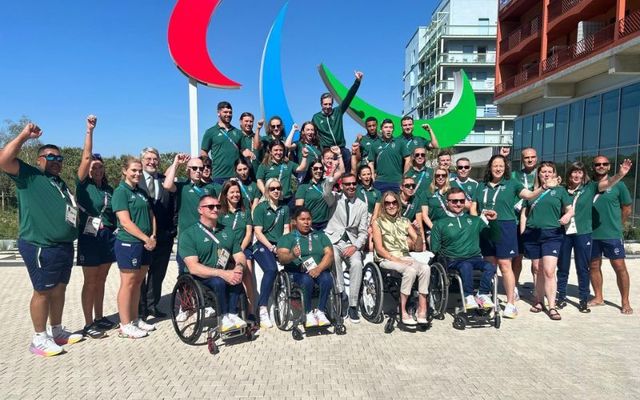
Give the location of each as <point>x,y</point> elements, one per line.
<point>187,312</point>
<point>371,293</point>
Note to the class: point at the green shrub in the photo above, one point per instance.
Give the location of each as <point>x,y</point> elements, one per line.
<point>9,224</point>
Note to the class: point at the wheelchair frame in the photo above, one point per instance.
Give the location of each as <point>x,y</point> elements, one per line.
<point>477,317</point>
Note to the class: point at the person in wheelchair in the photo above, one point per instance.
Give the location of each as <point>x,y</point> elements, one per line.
<point>456,238</point>
<point>390,233</point>
<point>206,247</point>
<point>308,256</point>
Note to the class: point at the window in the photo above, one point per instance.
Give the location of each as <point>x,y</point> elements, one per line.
<point>576,119</point>
<point>481,75</point>
<point>548,133</point>
<point>562,116</point>
<point>629,113</point>
<point>630,178</point>
<point>536,142</point>
<point>591,123</point>
<point>526,132</point>
<point>517,139</point>
<point>561,165</point>
<point>466,49</point>
<point>609,121</point>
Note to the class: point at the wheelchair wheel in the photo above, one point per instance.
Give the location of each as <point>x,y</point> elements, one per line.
<point>282,298</point>
<point>334,306</point>
<point>187,313</point>
<point>497,320</point>
<point>371,294</point>
<point>438,290</point>
<point>459,322</point>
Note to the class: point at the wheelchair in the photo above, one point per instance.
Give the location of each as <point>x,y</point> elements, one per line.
<point>379,283</point>
<point>288,306</point>
<point>195,309</point>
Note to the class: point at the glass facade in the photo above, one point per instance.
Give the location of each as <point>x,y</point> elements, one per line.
<point>607,124</point>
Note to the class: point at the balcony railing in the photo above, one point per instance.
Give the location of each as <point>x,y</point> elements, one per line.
<point>520,79</point>
<point>488,111</point>
<point>487,84</point>
<point>629,24</point>
<point>468,58</point>
<point>488,138</point>
<point>559,7</point>
<point>579,49</point>
<point>520,35</point>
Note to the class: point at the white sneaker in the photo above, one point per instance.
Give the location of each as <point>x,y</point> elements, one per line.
<point>183,315</point>
<point>61,336</point>
<point>43,345</point>
<point>265,322</point>
<point>510,311</point>
<point>310,320</point>
<point>322,318</point>
<point>130,331</point>
<point>145,326</point>
<point>484,301</point>
<point>516,295</point>
<point>208,312</point>
<point>227,324</point>
<point>237,321</point>
<point>470,303</point>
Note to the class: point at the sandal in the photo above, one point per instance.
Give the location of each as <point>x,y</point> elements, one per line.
<point>584,307</point>
<point>536,308</point>
<point>554,315</point>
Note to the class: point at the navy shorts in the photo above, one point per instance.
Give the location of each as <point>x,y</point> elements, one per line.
<point>248,253</point>
<point>47,266</point>
<point>520,240</point>
<point>96,250</point>
<point>542,242</point>
<point>131,255</point>
<point>501,242</point>
<point>613,249</point>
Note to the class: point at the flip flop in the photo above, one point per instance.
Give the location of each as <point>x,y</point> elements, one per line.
<point>537,308</point>
<point>592,304</point>
<point>554,315</point>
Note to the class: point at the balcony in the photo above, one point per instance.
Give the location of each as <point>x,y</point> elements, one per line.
<point>520,39</point>
<point>521,79</point>
<point>513,9</point>
<point>629,24</point>
<point>564,15</point>
<point>559,7</point>
<point>491,138</point>
<point>469,30</point>
<point>461,58</point>
<point>483,85</point>
<point>488,111</point>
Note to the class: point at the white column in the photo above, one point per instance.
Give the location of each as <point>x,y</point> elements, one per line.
<point>193,116</point>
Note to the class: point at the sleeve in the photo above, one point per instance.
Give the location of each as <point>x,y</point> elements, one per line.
<point>261,172</point>
<point>207,141</point>
<point>249,220</point>
<point>258,215</point>
<point>301,191</point>
<point>286,215</point>
<point>566,199</point>
<point>363,227</point>
<point>186,246</point>
<point>624,195</point>
<point>119,201</point>
<point>25,173</point>
<point>518,187</point>
<point>327,191</point>
<point>477,194</point>
<point>293,167</point>
<point>284,242</point>
<point>435,237</point>
<point>406,150</point>
<point>346,102</point>
<point>324,240</point>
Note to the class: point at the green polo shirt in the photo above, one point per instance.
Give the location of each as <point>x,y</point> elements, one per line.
<point>272,221</point>
<point>367,144</point>
<point>42,205</point>
<point>409,144</point>
<point>370,196</point>
<point>134,200</point>
<point>282,171</point>
<point>389,161</point>
<point>96,202</point>
<point>246,142</point>
<point>422,178</point>
<point>469,186</point>
<point>330,129</point>
<point>188,197</point>
<point>196,241</point>
<point>224,148</point>
<point>501,198</point>
<point>437,204</point>
<point>607,214</point>
<point>237,222</point>
<point>411,208</point>
<point>314,153</point>
<point>312,194</point>
<point>583,206</point>
<point>546,209</point>
<point>311,245</point>
<point>249,192</point>
<point>527,180</point>
<point>457,237</point>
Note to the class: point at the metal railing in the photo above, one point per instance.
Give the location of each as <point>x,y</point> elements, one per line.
<point>579,49</point>
<point>487,84</point>
<point>468,58</point>
<point>517,80</point>
<point>488,138</point>
<point>629,24</point>
<point>520,35</point>
<point>559,7</point>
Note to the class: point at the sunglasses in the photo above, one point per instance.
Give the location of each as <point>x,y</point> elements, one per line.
<point>419,155</point>
<point>603,164</point>
<point>207,167</point>
<point>410,185</point>
<point>464,166</point>
<point>276,126</point>
<point>390,203</point>
<point>211,207</point>
<point>456,201</point>
<point>52,157</point>
<point>274,188</point>
<point>317,168</point>
<point>194,169</point>
<point>441,175</point>
<point>348,183</point>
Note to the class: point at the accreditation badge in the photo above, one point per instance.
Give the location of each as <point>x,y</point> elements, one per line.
<point>223,258</point>
<point>571,228</point>
<point>92,226</point>
<point>71,216</point>
<point>309,264</point>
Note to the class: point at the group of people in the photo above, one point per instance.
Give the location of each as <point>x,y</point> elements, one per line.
<point>314,207</point>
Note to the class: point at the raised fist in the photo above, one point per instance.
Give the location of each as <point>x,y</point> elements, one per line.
<point>92,120</point>
<point>358,75</point>
<point>31,130</point>
<point>260,123</point>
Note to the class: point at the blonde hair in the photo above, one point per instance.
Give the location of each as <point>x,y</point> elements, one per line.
<point>383,211</point>
<point>446,186</point>
<point>266,197</point>
<point>127,163</point>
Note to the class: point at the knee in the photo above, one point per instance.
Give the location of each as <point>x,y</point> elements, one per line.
<point>410,273</point>
<point>325,280</point>
<point>217,284</point>
<point>490,268</point>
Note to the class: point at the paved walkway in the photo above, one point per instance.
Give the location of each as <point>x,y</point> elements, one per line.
<point>582,357</point>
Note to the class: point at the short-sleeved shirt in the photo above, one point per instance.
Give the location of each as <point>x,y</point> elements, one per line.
<point>224,148</point>
<point>314,153</point>
<point>95,201</point>
<point>246,142</point>
<point>546,209</point>
<point>312,194</point>
<point>583,206</point>
<point>282,171</point>
<point>42,205</point>
<point>188,196</point>
<point>411,208</point>
<point>389,161</point>
<point>135,201</point>
<point>409,144</point>
<point>268,139</point>
<point>237,222</point>
<point>501,198</point>
<point>457,237</point>
<point>469,186</point>
<point>607,214</point>
<point>272,221</point>
<point>527,180</point>
<point>311,245</point>
<point>198,240</point>
<point>437,204</point>
<point>370,196</point>
<point>249,192</point>
<point>422,178</point>
<point>367,144</point>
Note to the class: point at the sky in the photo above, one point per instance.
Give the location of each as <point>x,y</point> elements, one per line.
<point>62,61</point>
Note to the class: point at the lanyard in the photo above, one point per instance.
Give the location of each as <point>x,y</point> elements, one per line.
<point>230,140</point>
<point>463,189</point>
<point>197,189</point>
<point>495,195</point>
<point>235,220</point>
<point>422,175</point>
<point>382,151</point>
<point>280,174</point>
<point>208,233</point>
<point>526,179</point>
<point>444,208</point>
<point>244,190</point>
<point>539,198</point>
<point>298,242</point>
<point>364,194</point>
<point>315,186</point>
<point>315,154</point>
<point>104,206</point>
<point>409,206</point>
<point>331,131</point>
<point>70,197</point>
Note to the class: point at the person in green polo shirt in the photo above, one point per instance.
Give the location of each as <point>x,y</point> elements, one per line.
<point>421,174</point>
<point>434,202</point>
<point>250,140</point>
<point>270,222</point>
<point>221,143</point>
<point>308,140</point>
<point>364,145</point>
<point>411,205</point>
<point>308,256</point>
<point>462,179</point>
<point>457,239</point>
<point>365,190</point>
<point>611,209</point>
<point>276,165</point>
<point>135,240</point>
<point>410,142</point>
<point>48,227</point>
<point>208,247</point>
<point>387,160</point>
<point>248,188</point>
<point>543,235</point>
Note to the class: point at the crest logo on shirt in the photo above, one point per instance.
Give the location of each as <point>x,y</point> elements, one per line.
<point>206,240</point>
<point>608,190</point>
<point>268,212</point>
<point>134,262</point>
<point>450,224</point>
<point>553,192</point>
<point>469,221</point>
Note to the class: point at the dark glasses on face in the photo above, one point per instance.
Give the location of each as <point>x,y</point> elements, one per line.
<point>274,188</point>
<point>317,168</point>
<point>390,203</point>
<point>416,155</point>
<point>194,169</point>
<point>207,167</point>
<point>211,207</point>
<point>441,175</point>
<point>456,201</point>
<point>276,126</point>
<point>348,183</point>
<point>464,166</point>
<point>52,157</point>
<point>603,164</point>
<point>410,185</point>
